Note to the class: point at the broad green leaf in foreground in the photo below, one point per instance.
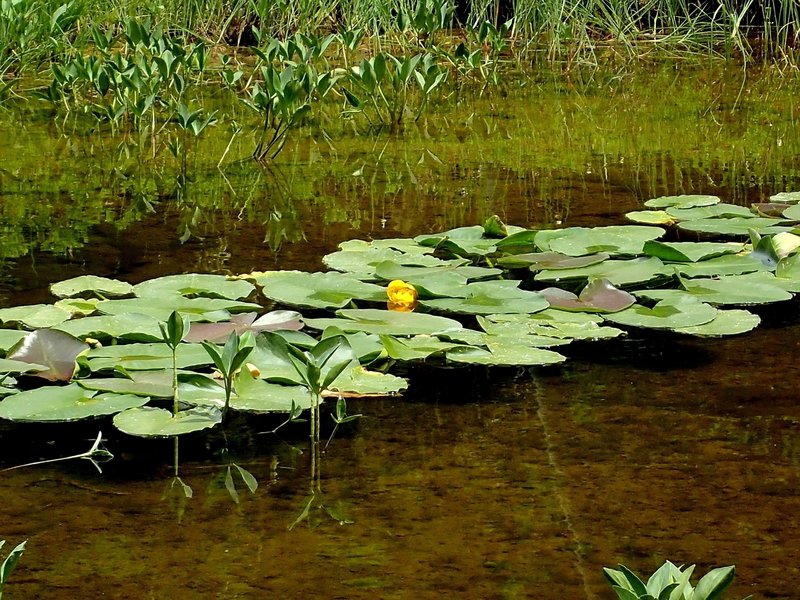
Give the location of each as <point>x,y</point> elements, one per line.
<point>256,395</point>
<point>67,403</point>
<point>148,421</point>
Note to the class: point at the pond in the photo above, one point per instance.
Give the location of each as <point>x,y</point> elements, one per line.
<point>475,483</point>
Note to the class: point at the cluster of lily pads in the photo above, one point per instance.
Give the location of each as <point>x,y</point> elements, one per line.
<point>488,294</point>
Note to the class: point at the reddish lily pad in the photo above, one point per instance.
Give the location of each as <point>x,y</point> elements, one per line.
<point>598,296</point>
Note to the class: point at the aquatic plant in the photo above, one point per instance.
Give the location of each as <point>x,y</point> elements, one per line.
<point>9,563</point>
<point>669,582</point>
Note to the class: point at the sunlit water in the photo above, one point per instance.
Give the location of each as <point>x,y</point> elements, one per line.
<point>475,484</point>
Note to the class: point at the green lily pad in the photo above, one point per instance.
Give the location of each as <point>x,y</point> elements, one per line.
<point>193,388</point>
<point>78,307</point>
<point>317,290</point>
<point>463,241</point>
<point>366,347</point>
<point>256,395</point>
<point>148,421</point>
<point>682,201</point>
<point>133,327</point>
<point>536,261</point>
<point>671,313</point>
<point>618,272</point>
<point>793,212</point>
<point>390,271</point>
<point>505,353</point>
<point>10,338</point>
<point>735,226</point>
<point>359,260</point>
<point>487,297</point>
<point>67,403</point>
<point>386,322</point>
<point>100,286</point>
<point>161,307</point>
<point>597,296</point>
<point>35,316</point>
<point>356,381</point>
<point>519,242</point>
<point>727,322</point>
<point>418,347</point>
<point>18,366</point>
<point>146,357</point>
<point>616,240</point>
<point>710,212</point>
<point>651,217</point>
<point>195,284</point>
<point>787,197</point>
<point>690,251</point>
<point>740,290</point>
<point>728,264</point>
<point>557,328</point>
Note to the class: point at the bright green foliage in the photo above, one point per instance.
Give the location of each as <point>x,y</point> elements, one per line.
<point>230,360</point>
<point>9,563</point>
<point>669,582</point>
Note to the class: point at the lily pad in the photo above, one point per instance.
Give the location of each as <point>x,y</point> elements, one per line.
<point>740,290</point>
<point>356,381</point>
<point>519,242</point>
<point>728,264</point>
<point>671,313</point>
<point>195,284</point>
<point>256,395</point>
<point>651,217</point>
<point>390,271</point>
<point>487,297</point>
<point>735,226</point>
<point>787,197</point>
<point>505,353</point>
<point>710,212</point>
<point>463,241</point>
<point>690,251</point>
<point>67,403</point>
<point>218,333</point>
<point>54,349</point>
<point>727,322</point>
<point>793,212</point>
<point>554,328</point>
<point>360,261</point>
<point>134,327</point>
<point>10,338</point>
<point>386,322</point>
<point>102,287</point>
<point>34,316</point>
<point>682,201</point>
<point>418,347</point>
<point>597,296</point>
<point>18,367</point>
<point>146,357</point>
<point>536,261</point>
<point>616,240</point>
<point>193,388</point>
<point>148,421</point>
<point>161,307</point>
<point>618,272</point>
<point>317,290</point>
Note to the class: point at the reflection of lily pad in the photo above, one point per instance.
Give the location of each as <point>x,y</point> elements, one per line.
<point>317,290</point>
<point>487,297</point>
<point>148,421</point>
<point>598,296</point>
<point>67,403</point>
<point>671,313</point>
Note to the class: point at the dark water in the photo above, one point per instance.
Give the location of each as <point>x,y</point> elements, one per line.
<point>475,484</point>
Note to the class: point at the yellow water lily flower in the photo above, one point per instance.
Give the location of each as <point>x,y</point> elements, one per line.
<point>402,296</point>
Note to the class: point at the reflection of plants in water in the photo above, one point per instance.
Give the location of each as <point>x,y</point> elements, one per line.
<point>95,455</point>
